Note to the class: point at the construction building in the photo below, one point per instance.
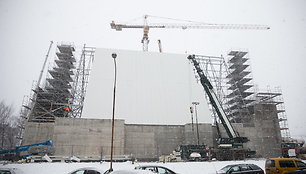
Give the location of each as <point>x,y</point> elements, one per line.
<point>53,101</point>
<point>55,114</point>
<point>62,94</point>
<point>244,98</point>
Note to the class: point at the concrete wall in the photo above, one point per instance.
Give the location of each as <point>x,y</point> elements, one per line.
<point>151,141</point>
<point>267,136</point>
<point>37,132</point>
<point>205,134</point>
<point>83,137</point>
<point>79,137</point>
<point>92,137</point>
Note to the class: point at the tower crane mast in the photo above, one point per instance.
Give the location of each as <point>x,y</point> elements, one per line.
<point>195,25</point>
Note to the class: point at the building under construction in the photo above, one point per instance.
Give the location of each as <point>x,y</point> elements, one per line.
<point>54,112</point>
<point>54,99</point>
<point>63,92</point>
<point>244,96</point>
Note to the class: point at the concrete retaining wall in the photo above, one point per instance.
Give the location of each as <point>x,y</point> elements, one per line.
<point>82,137</point>
<point>37,132</point>
<point>151,141</point>
<point>92,137</point>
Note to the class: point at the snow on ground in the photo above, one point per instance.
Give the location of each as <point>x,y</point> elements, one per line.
<point>179,167</point>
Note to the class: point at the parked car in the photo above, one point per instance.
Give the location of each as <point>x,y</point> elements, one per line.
<point>87,170</point>
<point>283,165</point>
<point>241,168</point>
<point>156,169</point>
<point>92,170</point>
<point>10,171</point>
<point>299,171</point>
<point>131,172</point>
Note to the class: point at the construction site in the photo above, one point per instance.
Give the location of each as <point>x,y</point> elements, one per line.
<point>54,112</point>
<point>72,106</point>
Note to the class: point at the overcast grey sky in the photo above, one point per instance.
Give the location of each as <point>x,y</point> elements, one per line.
<point>277,55</point>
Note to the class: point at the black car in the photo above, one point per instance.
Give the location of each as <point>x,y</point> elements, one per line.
<point>156,169</point>
<point>241,168</point>
<point>87,170</point>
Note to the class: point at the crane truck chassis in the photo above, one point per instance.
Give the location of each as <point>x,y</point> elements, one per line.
<point>230,148</point>
<point>204,153</point>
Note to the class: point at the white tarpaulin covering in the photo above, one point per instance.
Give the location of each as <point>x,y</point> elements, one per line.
<point>153,88</point>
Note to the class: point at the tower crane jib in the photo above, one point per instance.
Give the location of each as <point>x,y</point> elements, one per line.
<point>145,26</point>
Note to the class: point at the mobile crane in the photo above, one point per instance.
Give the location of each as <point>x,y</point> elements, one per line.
<point>227,148</point>
<point>13,153</point>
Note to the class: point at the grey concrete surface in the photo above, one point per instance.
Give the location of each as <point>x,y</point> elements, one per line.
<point>92,137</point>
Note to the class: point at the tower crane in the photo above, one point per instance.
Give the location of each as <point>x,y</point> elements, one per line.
<point>195,25</point>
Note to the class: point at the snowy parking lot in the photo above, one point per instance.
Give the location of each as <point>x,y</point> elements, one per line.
<point>179,167</point>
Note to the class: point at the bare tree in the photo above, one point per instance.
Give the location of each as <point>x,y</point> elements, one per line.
<point>6,125</point>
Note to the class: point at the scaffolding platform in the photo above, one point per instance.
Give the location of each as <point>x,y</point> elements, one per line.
<point>54,99</point>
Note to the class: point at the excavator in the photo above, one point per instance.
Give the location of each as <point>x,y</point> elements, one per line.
<point>231,147</point>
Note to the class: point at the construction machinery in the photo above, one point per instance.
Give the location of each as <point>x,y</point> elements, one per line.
<point>188,152</point>
<point>191,153</point>
<point>292,148</point>
<point>231,147</point>
<point>14,153</point>
<point>190,25</point>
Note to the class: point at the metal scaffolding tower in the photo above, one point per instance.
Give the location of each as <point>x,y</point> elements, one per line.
<point>216,70</point>
<point>24,112</point>
<point>64,90</point>
<point>275,98</point>
<point>241,87</point>
<point>81,81</point>
<point>235,89</point>
<point>53,100</point>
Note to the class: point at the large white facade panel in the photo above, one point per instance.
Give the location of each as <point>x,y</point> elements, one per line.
<point>153,88</point>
